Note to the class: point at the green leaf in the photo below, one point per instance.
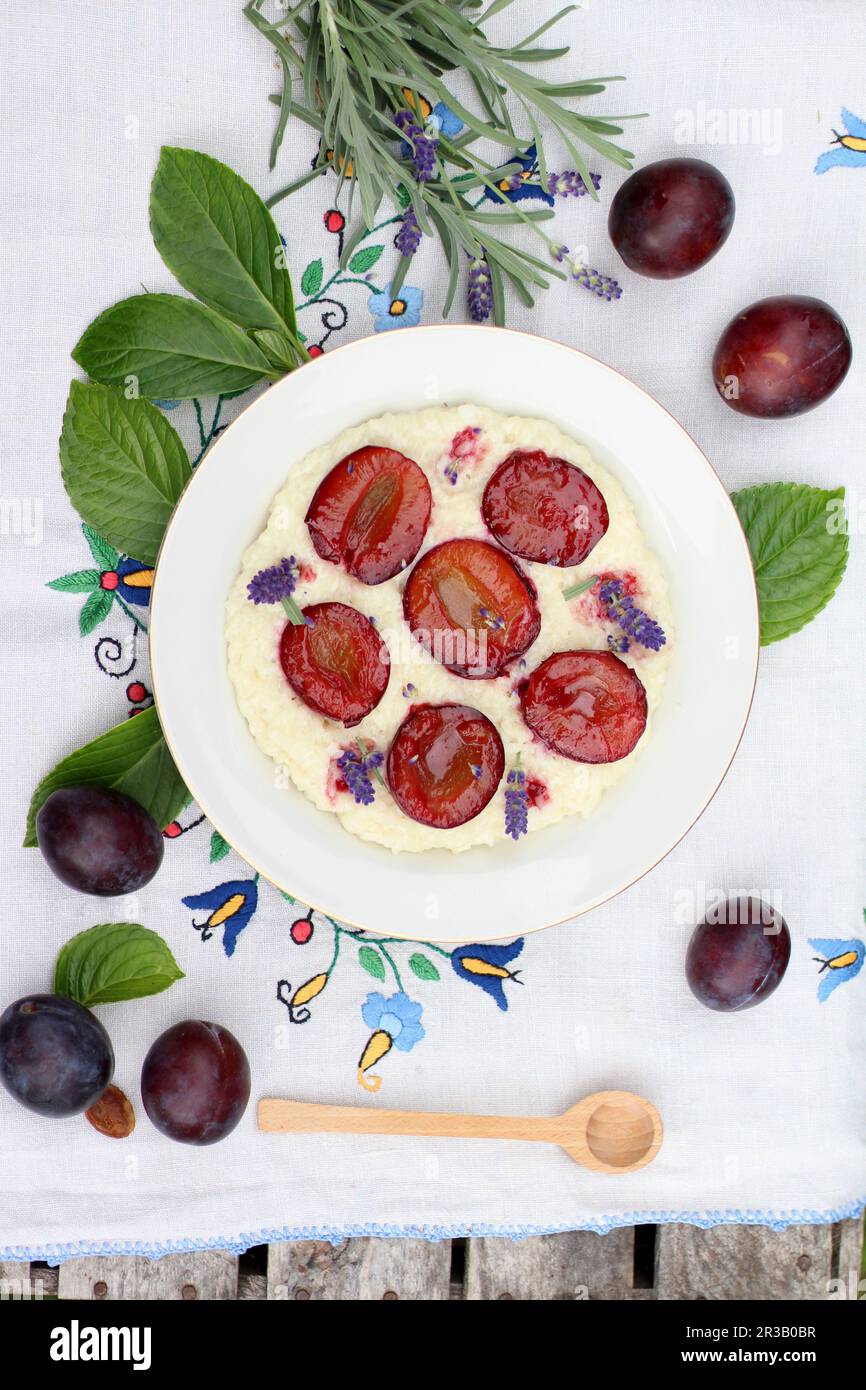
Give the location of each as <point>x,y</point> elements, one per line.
<point>277,348</point>
<point>95,610</point>
<point>311,280</point>
<point>365,259</point>
<point>79,582</point>
<point>799,542</point>
<point>217,237</point>
<point>113,962</point>
<point>423,967</point>
<point>131,758</point>
<point>401,193</point>
<point>104,554</point>
<point>372,962</point>
<point>219,847</point>
<point>124,466</point>
<point>169,348</point>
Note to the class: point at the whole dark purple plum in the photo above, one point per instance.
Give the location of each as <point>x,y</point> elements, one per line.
<point>99,841</point>
<point>55,1056</point>
<point>781,356</point>
<point>195,1082</point>
<point>671,217</point>
<point>738,955</point>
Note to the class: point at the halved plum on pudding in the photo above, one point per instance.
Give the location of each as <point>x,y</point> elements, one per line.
<point>471,607</point>
<point>588,706</point>
<point>336,662</point>
<point>370,513</point>
<point>544,508</point>
<point>445,764</point>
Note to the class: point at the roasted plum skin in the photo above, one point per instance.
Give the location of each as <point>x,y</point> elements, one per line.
<point>544,509</point>
<point>338,665</point>
<point>195,1082</point>
<point>370,513</point>
<point>585,705</point>
<point>453,604</point>
<point>738,955</point>
<point>445,764</point>
<point>781,356</point>
<point>671,217</point>
<point>98,841</point>
<point>55,1056</point>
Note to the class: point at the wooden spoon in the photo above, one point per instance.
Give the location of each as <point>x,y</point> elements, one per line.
<point>610,1131</point>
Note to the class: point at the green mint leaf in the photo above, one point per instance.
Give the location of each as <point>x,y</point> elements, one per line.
<point>365,259</point>
<point>131,758</point>
<point>799,543</point>
<point>95,610</point>
<point>169,348</point>
<point>372,962</point>
<point>277,348</point>
<point>79,582</point>
<point>104,554</point>
<point>113,962</point>
<point>219,848</point>
<point>124,466</point>
<point>218,239</point>
<point>423,967</point>
<point>311,280</point>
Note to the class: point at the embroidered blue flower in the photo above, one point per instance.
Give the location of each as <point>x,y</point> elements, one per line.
<point>523,184</point>
<point>485,965</point>
<point>839,961</point>
<point>231,906</point>
<point>134,581</point>
<point>396,311</point>
<point>398,1016</point>
<point>443,119</point>
<point>849,149</point>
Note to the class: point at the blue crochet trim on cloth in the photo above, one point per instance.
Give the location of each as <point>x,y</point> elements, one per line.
<point>776,1221</point>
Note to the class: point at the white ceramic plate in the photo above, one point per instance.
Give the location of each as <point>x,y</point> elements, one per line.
<point>557,873</point>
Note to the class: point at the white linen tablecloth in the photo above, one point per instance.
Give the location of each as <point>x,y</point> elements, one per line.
<point>764,1112</point>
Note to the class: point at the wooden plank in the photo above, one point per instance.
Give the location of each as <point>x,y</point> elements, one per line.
<point>371,1269</point>
<point>16,1281</point>
<point>578,1265</point>
<point>743,1262</point>
<point>211,1274</point>
<point>849,1259</point>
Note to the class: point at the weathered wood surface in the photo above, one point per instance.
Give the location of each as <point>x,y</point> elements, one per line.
<point>211,1274</point>
<point>744,1262</point>
<point>360,1269</point>
<point>666,1262</point>
<point>579,1265</point>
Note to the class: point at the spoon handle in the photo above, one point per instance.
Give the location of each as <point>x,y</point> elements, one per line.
<point>302,1117</point>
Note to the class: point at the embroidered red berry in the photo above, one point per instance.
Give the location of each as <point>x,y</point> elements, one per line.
<point>172,830</point>
<point>109,580</point>
<point>135,693</point>
<point>301,931</point>
<point>315,351</point>
<point>334,220</point>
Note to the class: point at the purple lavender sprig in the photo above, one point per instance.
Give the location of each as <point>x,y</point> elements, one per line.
<point>516,802</point>
<point>570,184</point>
<point>593,280</point>
<point>408,239</point>
<point>635,623</point>
<point>356,765</point>
<point>479,292</point>
<point>276,584</point>
<point>423,145</point>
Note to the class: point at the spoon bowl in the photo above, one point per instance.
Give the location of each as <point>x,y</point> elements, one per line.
<point>609,1131</point>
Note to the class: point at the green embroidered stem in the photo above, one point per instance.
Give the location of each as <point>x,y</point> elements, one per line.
<point>129,613</point>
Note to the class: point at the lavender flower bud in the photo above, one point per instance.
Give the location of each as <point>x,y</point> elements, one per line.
<point>408,238</point>
<point>479,293</point>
